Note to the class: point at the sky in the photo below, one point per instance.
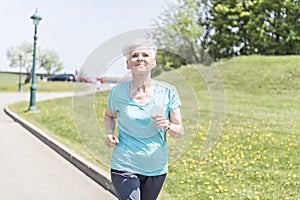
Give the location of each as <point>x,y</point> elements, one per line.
<point>72,28</point>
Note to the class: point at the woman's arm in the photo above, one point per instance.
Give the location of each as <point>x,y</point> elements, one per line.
<point>110,123</point>
<point>174,126</point>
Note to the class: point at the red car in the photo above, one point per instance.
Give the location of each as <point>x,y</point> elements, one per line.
<point>84,79</point>
<point>101,80</point>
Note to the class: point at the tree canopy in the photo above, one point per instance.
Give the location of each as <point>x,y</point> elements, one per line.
<point>46,59</point>
<point>226,28</point>
<point>178,34</point>
<point>255,27</point>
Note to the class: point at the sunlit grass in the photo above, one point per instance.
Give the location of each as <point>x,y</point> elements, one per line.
<point>256,156</point>
<point>10,83</point>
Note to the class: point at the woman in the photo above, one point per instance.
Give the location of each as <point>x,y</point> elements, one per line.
<point>139,160</point>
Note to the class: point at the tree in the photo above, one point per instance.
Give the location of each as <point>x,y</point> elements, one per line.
<point>26,51</point>
<point>46,59</point>
<point>49,61</point>
<point>226,28</point>
<point>178,32</point>
<point>245,27</point>
<point>280,26</point>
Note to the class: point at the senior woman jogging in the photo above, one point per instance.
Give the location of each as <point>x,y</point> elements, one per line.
<point>146,111</point>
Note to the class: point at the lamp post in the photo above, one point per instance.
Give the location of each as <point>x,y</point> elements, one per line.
<point>20,75</point>
<point>32,106</point>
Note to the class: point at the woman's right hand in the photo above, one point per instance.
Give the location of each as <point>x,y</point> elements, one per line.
<point>111,140</point>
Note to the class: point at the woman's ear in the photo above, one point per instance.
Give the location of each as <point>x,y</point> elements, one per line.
<point>127,64</point>
<point>154,63</point>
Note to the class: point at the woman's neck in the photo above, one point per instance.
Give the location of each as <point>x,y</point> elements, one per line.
<point>141,82</point>
<point>141,90</point>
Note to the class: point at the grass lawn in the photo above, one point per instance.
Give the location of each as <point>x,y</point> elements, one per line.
<point>10,83</point>
<point>255,157</point>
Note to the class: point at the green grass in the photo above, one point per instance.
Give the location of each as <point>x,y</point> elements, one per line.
<point>262,74</point>
<point>10,83</point>
<point>257,154</point>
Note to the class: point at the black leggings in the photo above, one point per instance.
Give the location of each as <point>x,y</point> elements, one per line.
<point>133,186</point>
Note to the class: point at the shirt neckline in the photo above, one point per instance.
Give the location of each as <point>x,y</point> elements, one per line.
<point>136,103</point>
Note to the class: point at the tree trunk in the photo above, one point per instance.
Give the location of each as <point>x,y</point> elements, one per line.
<point>28,77</point>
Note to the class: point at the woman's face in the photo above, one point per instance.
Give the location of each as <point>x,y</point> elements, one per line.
<point>141,61</point>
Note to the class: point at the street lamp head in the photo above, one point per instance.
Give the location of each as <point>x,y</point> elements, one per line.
<point>35,18</point>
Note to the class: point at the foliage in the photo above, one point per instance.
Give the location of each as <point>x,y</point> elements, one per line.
<point>25,50</point>
<point>49,61</point>
<point>46,59</point>
<point>255,27</point>
<point>225,28</point>
<point>178,34</point>
<point>257,155</point>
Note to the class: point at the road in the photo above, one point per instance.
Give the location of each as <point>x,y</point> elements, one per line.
<point>30,170</point>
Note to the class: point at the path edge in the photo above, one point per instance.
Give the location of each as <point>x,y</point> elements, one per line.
<point>95,173</point>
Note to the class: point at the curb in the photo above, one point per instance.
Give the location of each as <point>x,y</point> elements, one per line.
<point>95,173</point>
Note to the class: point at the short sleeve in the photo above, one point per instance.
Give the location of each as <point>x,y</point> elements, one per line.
<point>110,100</point>
<point>174,99</point>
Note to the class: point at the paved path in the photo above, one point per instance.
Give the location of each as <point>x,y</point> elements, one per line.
<point>30,170</point>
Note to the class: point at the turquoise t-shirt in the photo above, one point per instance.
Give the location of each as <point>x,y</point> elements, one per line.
<point>142,145</point>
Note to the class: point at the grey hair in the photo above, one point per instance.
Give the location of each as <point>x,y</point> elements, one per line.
<point>139,43</point>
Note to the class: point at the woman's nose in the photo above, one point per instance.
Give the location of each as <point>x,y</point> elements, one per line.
<point>140,57</point>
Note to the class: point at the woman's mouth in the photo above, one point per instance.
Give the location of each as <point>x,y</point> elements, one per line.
<point>140,65</point>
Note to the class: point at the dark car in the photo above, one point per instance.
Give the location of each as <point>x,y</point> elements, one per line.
<point>62,77</point>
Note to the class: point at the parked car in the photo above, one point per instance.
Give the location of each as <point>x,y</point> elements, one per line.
<point>83,79</point>
<point>62,77</point>
<point>101,80</point>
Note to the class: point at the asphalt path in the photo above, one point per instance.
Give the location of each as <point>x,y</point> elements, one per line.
<point>30,170</point>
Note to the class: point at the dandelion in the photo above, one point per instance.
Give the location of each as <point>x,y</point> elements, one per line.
<point>217,181</point>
